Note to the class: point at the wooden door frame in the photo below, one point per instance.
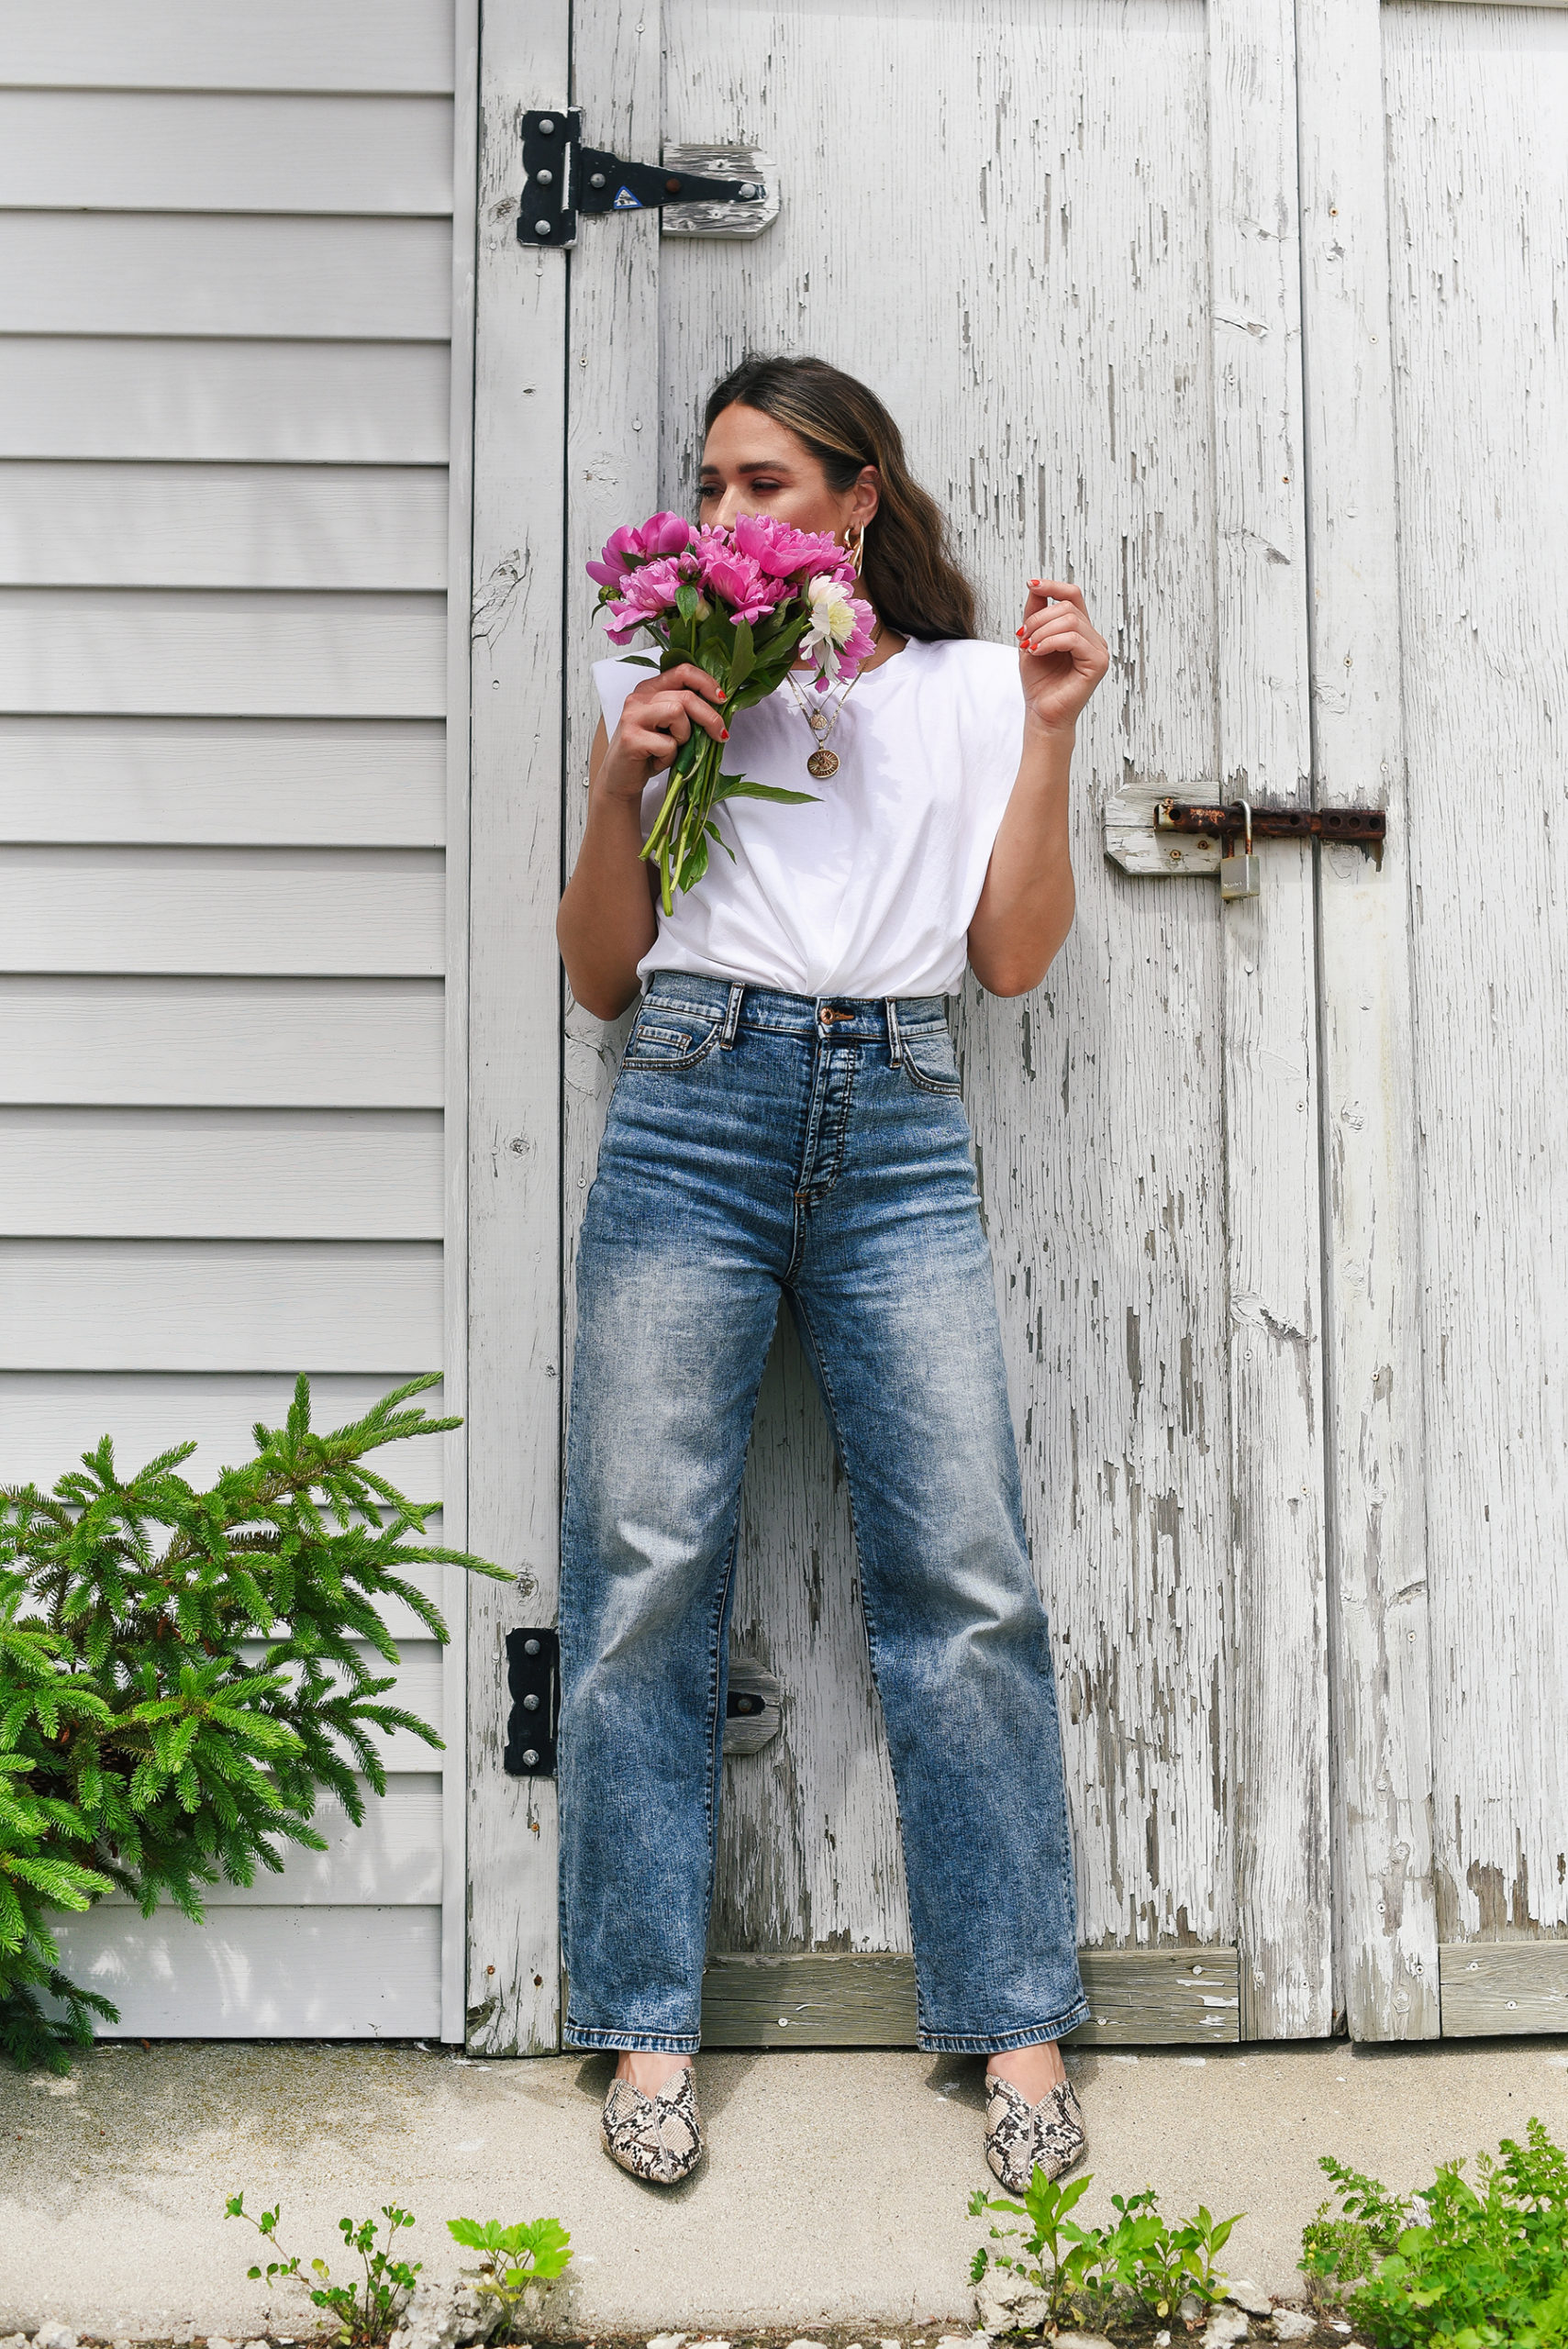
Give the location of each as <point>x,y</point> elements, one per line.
<point>506,1181</point>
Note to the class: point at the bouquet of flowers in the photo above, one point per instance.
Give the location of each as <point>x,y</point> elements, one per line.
<point>743,604</point>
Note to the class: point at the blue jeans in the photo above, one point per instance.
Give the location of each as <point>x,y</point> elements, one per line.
<point>760,1143</point>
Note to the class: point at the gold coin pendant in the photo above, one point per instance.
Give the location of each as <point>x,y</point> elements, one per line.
<point>822,764</point>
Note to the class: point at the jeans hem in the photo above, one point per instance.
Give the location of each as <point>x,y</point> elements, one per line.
<point>1001,2042</point>
<point>638,2042</point>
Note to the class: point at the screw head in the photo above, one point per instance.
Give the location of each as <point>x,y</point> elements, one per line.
<point>545,179</point>
<point>541,227</point>
<point>749,191</point>
<point>530,1757</point>
<point>672,187</point>
<point>531,1703</point>
<point>530,1647</point>
<point>547,125</point>
<point>596,179</point>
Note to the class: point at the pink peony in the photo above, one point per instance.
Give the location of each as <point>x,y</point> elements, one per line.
<point>782,551</point>
<point>654,587</point>
<point>737,581</point>
<point>661,534</point>
<point>664,534</point>
<point>617,559</point>
<point>646,593</point>
<point>862,643</point>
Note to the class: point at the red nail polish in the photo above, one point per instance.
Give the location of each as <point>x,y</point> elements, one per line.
<point>725,735</point>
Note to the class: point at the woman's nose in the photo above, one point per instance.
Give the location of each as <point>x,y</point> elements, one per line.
<point>731,504</point>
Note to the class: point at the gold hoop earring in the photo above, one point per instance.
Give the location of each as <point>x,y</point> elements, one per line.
<point>855,549</point>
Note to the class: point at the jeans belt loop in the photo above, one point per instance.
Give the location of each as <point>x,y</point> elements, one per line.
<point>732,1014</point>
<point>895,1034</point>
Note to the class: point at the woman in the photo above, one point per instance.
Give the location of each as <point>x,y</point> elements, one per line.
<point>787,1121</point>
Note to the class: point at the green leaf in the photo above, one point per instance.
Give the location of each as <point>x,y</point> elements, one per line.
<point>742,659</point>
<point>550,2243</point>
<point>477,2235</point>
<point>739,787</point>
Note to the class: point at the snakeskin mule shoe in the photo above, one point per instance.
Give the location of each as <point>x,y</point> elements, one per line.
<point>1019,2134</point>
<point>657,2138</point>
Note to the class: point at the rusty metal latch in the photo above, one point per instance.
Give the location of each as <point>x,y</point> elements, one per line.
<point>1365,827</point>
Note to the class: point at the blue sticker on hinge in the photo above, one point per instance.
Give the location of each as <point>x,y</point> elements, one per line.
<point>626,202</point>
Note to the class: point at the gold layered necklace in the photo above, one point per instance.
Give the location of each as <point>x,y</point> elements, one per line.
<point>822,715</point>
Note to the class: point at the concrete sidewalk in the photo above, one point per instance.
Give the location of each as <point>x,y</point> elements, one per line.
<point>834,2189</point>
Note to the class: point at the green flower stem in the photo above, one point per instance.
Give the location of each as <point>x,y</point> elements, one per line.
<point>687,803</point>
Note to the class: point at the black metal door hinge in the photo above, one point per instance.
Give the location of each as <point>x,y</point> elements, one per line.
<point>699,191</point>
<point>533,1683</point>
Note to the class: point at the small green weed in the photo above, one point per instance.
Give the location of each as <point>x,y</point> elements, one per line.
<point>1060,2259</point>
<point>1343,2249</point>
<point>1086,2271</point>
<point>1458,2266</point>
<point>513,2257</point>
<point>366,2311</point>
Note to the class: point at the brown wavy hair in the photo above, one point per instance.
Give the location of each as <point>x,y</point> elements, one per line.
<point>909,569</point>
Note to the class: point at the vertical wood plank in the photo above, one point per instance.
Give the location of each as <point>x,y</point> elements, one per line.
<point>1279,1596</point>
<point>1476,99</point>
<point>460,545</point>
<point>514,1159</point>
<point>1385,1909</point>
<point>612,428</point>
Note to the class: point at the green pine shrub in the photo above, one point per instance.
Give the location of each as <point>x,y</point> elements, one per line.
<point>138,1751</point>
<point>1457,2267</point>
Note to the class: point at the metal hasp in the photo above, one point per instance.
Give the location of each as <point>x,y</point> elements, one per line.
<point>533,1683</point>
<point>712,191</point>
<point>1364,827</point>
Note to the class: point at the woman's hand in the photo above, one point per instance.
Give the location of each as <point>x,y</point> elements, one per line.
<point>606,922</point>
<point>656,718</point>
<point>1061,656</point>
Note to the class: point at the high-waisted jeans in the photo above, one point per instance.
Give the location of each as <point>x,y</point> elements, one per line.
<point>760,1144</point>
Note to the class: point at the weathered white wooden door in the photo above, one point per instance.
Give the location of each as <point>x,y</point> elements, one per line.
<point>1060,238</point>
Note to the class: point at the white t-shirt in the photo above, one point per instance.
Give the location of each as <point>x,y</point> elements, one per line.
<point>869,893</point>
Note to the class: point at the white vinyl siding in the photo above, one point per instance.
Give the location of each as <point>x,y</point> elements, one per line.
<point>226,246</point>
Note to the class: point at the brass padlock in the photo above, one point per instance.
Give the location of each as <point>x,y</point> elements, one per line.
<point>1242,876</point>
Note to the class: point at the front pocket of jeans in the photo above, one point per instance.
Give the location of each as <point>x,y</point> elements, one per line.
<point>931,1062</point>
<point>665,1040</point>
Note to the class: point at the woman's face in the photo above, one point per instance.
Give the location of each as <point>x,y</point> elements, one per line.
<point>753,466</point>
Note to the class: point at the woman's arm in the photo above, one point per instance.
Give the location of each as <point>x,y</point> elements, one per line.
<point>606,922</point>
<point>1026,906</point>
